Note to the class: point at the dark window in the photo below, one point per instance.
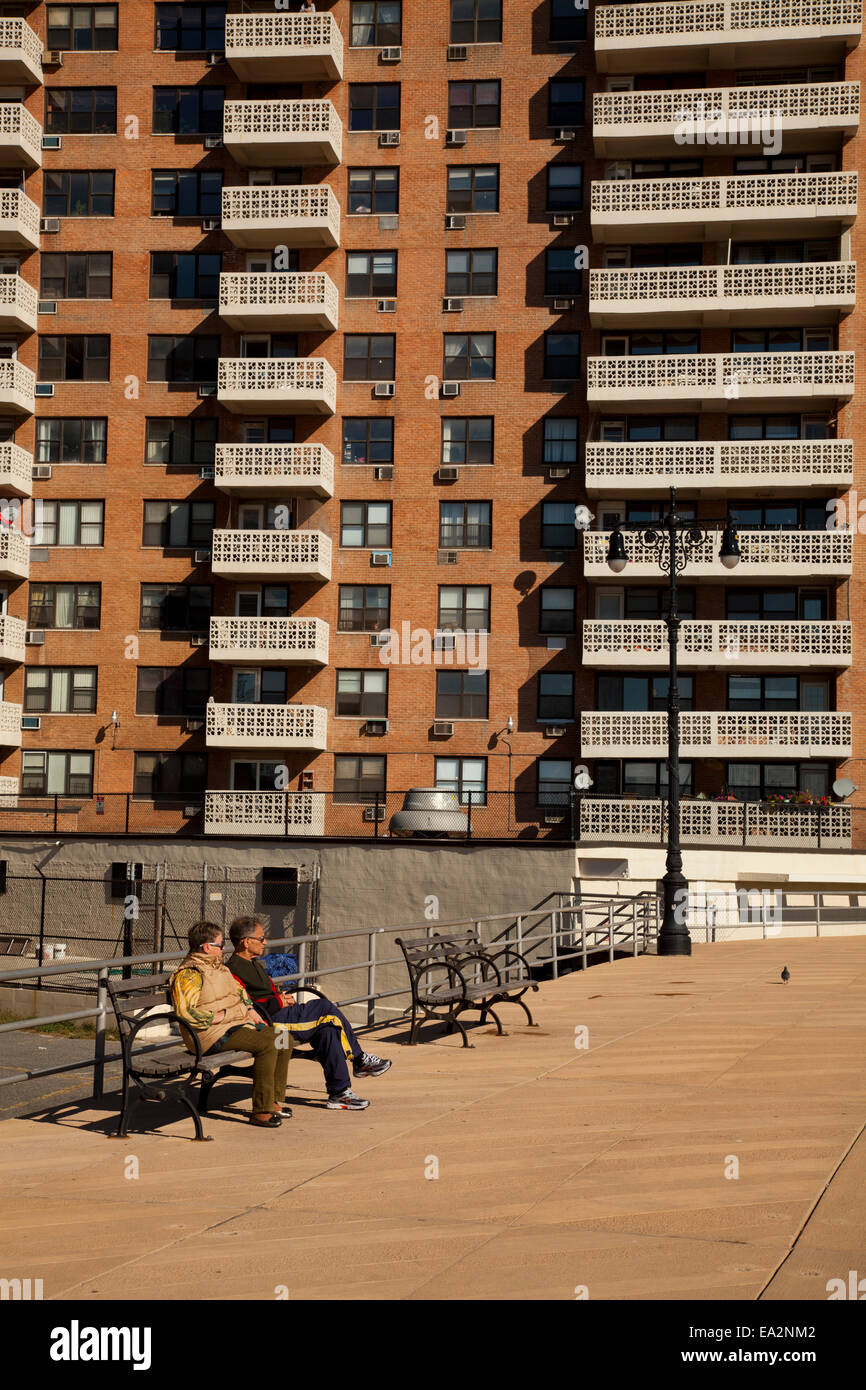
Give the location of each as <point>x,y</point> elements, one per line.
<point>560,440</point>
<point>616,692</point>
<point>567,22</point>
<point>777,427</point>
<point>182,524</point>
<point>557,526</point>
<point>752,692</point>
<point>791,339</point>
<point>188,110</point>
<point>473,105</point>
<point>358,779</point>
<point>169,774</point>
<point>777,605</point>
<point>666,168</point>
<point>464,607</point>
<point>56,773</point>
<point>655,257</point>
<point>562,356</point>
<point>470,272</point>
<point>476,21</point>
<point>64,606</point>
<point>74,357</point>
<point>557,612</point>
<point>60,440</point>
<point>172,689</point>
<point>60,690</point>
<point>280,886</point>
<point>374,24</point>
<point>638,778</point>
<point>651,604</point>
<point>464,525</point>
<point>467,439</point>
<point>669,342</point>
<point>180,441</point>
<point>465,776</point>
<point>191,358</point>
<point>554,782</point>
<point>556,695</point>
<point>469,357</point>
<point>473,188</point>
<point>365,525</point>
<point>184,275</point>
<point>76,275</point>
<point>564,187</point>
<point>368,440</point>
<point>80,111</point>
<point>78,193</point>
<point>374,191</point>
<point>461,694</point>
<point>364,607</point>
<point>565,102</point>
<point>190,28</point>
<point>371,274</point>
<point>639,429</point>
<point>783,252</point>
<point>69,523</point>
<point>82,28</point>
<point>368,357</point>
<point>760,781</point>
<point>362,693</point>
<point>374,106</point>
<point>561,275</point>
<point>186,192</point>
<point>175,607</point>
<point>803,514</point>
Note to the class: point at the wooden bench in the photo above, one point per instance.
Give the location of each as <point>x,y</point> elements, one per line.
<point>450,974</point>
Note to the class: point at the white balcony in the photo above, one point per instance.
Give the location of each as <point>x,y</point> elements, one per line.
<point>819,292</point>
<point>720,381</point>
<point>724,34</point>
<point>712,209</point>
<point>16,470</point>
<point>14,554</point>
<point>20,137</point>
<point>763,733</point>
<point>277,385</point>
<point>284,48</point>
<point>280,134</point>
<point>11,639</point>
<point>8,793</point>
<point>279,300</point>
<point>723,823</point>
<point>20,54</point>
<point>284,555</point>
<point>10,725</point>
<point>291,215</point>
<point>258,470</point>
<point>264,813</point>
<point>17,387</point>
<point>266,727</point>
<point>722,645</point>
<point>774,556</point>
<point>18,302</point>
<point>720,466</point>
<point>19,221</point>
<point>651,124</point>
<point>269,641</point>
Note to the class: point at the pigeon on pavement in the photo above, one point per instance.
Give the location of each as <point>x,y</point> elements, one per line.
<point>786,974</point>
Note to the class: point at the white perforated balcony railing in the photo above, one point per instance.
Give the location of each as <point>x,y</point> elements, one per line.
<point>703,645</point>
<point>20,52</point>
<point>274,468</point>
<point>266,726</point>
<point>10,724</point>
<point>17,387</point>
<point>270,641</point>
<point>290,215</point>
<point>16,470</point>
<point>725,379</point>
<point>284,47</point>
<point>724,823</point>
<point>280,133</point>
<point>264,813</point>
<point>277,385</point>
<point>809,104</point>
<point>820,291</point>
<point>20,135</point>
<point>18,302</point>
<point>11,638</point>
<point>8,792</point>
<point>717,465</point>
<point>14,554</point>
<point>265,554</point>
<point>19,220</point>
<point>770,733</point>
<point>279,299</point>
<point>779,555</point>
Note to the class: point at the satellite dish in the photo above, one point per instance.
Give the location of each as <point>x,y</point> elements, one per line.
<point>843,788</point>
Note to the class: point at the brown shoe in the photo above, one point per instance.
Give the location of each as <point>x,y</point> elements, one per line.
<point>272,1121</point>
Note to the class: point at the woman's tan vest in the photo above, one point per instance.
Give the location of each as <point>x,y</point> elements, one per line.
<point>219,991</point>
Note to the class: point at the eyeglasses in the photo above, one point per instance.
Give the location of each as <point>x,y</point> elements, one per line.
<point>259,939</point>
<point>218,944</point>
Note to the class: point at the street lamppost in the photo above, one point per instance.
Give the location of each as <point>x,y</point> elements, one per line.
<point>674,539</point>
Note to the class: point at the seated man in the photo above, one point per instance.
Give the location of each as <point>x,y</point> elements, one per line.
<point>318,1022</point>
<point>208,1000</point>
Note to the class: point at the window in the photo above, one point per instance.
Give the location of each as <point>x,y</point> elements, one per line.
<point>782,339</point>
<point>184,275</point>
<point>76,275</point>
<point>374,23</point>
<point>188,110</point>
<point>659,343</point>
<point>186,192</point>
<point>557,612</point>
<point>362,694</point>
<point>777,605</point>
<point>368,440</point>
<point>804,514</point>
<point>476,21</point>
<point>374,106</point>
<point>564,187</point>
<point>638,778</point>
<point>759,781</point>
<point>169,774</point>
<point>65,606</point>
<point>651,604</point>
<point>172,690</point>
<point>467,439</point>
<point>60,690</point>
<point>192,358</point>
<point>175,607</point>
<point>365,524</point>
<point>470,272</point>
<point>371,274</point>
<point>778,427</point>
<point>368,357</point>
<point>565,102</point>
<point>82,28</point>
<point>562,356</point>
<point>358,779</point>
<point>464,525</point>
<point>778,693</point>
<point>74,357</point>
<point>56,774</point>
<point>374,191</point>
<point>69,523</point>
<point>557,526</point>
<point>554,782</point>
<point>78,193</point>
<point>560,441</point>
<point>473,188</point>
<point>469,357</point>
<point>473,105</point>
<point>465,776</point>
<point>168,524</point>
<point>786,164</point>
<point>640,429</point>
<point>190,28</point>
<point>271,601</point>
<point>561,276</point>
<point>567,22</point>
<point>80,111</point>
<point>667,168</point>
<point>616,692</point>
<point>556,695</point>
<point>180,441</point>
<point>271,431</point>
<point>461,694</point>
<point>364,607</point>
<point>60,440</point>
<point>464,608</point>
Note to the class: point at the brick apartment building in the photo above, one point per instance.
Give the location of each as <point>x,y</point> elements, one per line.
<point>299,346</point>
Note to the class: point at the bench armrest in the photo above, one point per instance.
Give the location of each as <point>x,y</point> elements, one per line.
<point>516,955</point>
<point>172,1017</point>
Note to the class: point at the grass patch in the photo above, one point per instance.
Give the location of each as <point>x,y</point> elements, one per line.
<point>80,1028</point>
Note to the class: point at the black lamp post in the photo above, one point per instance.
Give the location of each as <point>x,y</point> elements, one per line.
<point>674,939</point>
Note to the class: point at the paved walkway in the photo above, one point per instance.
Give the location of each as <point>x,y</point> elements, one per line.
<point>558,1168</point>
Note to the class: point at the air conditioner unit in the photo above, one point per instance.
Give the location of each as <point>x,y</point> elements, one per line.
<point>46,306</point>
<point>34,637</point>
<point>559,473</point>
<point>384,473</point>
<point>452,306</point>
<point>383,389</point>
<point>454,222</point>
<point>389,137</point>
<point>390,55</point>
<point>444,641</point>
<point>378,639</point>
<point>457,53</point>
<point>202,557</point>
<point>42,470</point>
<point>53,58</point>
<point>376,726</point>
<point>554,730</point>
<point>389,222</point>
<point>198,639</point>
<point>449,474</point>
<point>31,721</point>
<point>210,224</point>
<point>442,729</point>
<point>49,224</point>
<point>44,388</point>
<point>455,137</point>
<point>386,306</point>
<point>451,388</point>
<point>448,557</point>
<point>565,133</point>
<point>52,142</point>
<point>206,471</point>
<point>190,811</point>
<point>563,304</point>
<point>213,142</point>
<point>192,726</point>
<point>380,557</point>
<point>374,813</point>
<point>554,820</point>
<point>208,389</point>
<point>563,219</point>
<point>215,58</point>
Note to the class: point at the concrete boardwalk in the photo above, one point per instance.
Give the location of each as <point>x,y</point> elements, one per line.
<point>557,1168</point>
